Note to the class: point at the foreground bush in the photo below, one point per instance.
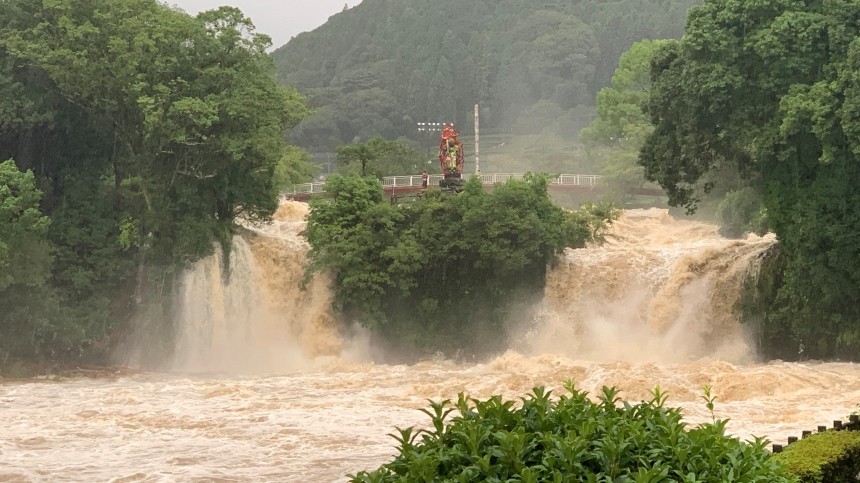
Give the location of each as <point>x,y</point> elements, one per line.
<point>831,457</point>
<point>572,439</point>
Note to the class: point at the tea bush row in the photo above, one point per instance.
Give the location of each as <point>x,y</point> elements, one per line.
<point>572,439</point>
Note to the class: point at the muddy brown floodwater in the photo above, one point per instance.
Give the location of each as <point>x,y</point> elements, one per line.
<point>266,386</point>
<point>321,424</point>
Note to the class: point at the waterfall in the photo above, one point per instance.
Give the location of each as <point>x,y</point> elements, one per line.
<point>257,319</point>
<point>659,289</point>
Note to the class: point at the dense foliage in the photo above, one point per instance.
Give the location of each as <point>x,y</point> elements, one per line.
<point>572,439</point>
<point>24,254</point>
<point>147,131</point>
<point>831,457</point>
<point>770,91</point>
<point>445,272</point>
<point>383,65</point>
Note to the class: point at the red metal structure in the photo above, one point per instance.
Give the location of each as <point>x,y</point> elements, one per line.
<point>451,158</point>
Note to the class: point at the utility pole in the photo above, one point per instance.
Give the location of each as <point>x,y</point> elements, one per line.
<point>477,140</point>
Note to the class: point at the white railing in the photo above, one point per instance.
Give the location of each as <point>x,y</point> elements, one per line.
<point>409,181</point>
<point>306,188</point>
<point>499,177</point>
<point>577,180</point>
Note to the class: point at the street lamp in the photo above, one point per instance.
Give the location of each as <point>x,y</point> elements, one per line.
<point>429,128</point>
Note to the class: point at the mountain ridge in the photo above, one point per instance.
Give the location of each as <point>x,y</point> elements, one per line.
<point>381,66</point>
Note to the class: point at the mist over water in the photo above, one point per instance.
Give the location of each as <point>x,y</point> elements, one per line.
<point>256,320</point>
<point>266,385</point>
<point>659,290</point>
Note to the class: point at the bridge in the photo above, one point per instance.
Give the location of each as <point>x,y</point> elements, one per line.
<point>395,186</point>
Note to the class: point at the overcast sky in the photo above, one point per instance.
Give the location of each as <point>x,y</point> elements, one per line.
<point>280,19</point>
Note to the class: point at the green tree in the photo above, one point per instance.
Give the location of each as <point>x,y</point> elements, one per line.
<point>295,166</point>
<point>768,90</point>
<point>446,272</point>
<point>25,254</point>
<point>204,118</point>
<point>149,132</point>
<point>379,157</point>
<point>741,212</point>
<point>25,262</point>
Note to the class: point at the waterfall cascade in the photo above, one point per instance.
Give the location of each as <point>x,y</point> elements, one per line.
<point>659,290</point>
<point>257,319</point>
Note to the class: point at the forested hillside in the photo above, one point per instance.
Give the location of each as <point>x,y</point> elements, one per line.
<point>382,66</point>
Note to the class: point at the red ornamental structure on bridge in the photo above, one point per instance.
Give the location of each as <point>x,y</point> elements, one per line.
<point>451,158</point>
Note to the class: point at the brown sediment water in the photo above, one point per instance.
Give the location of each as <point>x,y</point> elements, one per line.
<point>658,290</point>
<point>256,319</point>
<point>267,386</point>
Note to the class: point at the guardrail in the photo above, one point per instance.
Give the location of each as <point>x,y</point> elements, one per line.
<point>487,179</point>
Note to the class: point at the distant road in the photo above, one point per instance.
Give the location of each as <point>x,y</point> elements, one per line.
<point>411,184</point>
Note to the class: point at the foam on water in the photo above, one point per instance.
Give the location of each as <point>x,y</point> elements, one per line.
<point>268,386</point>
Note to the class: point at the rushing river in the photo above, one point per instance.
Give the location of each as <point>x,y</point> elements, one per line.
<point>320,424</point>
<point>267,387</point>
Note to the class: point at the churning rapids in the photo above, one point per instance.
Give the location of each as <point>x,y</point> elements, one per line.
<point>267,387</point>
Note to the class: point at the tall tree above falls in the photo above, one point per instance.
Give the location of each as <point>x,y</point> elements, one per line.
<point>137,134</point>
<point>770,89</point>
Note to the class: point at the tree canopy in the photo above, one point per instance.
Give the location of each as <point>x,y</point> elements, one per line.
<point>446,272</point>
<point>25,256</point>
<point>148,131</point>
<point>769,89</point>
<point>380,157</point>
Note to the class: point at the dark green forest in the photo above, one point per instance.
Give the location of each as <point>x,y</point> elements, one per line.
<point>534,67</point>
<point>138,134</point>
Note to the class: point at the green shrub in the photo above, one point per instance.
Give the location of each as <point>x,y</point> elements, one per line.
<point>572,439</point>
<point>831,457</point>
